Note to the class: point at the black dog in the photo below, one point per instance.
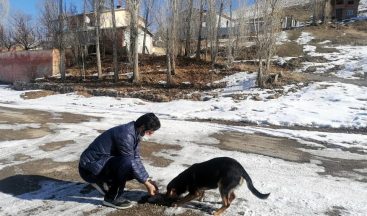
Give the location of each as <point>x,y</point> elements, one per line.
<point>223,172</point>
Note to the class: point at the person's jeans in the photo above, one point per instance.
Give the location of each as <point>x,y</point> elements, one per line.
<point>115,173</point>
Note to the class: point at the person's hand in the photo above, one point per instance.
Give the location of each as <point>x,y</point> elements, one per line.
<point>152,188</point>
<point>154,184</point>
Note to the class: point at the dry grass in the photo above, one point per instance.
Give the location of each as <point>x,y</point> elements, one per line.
<point>290,49</point>
<point>340,35</point>
<point>294,34</point>
<point>322,49</point>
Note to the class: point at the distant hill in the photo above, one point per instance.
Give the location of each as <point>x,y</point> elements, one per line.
<point>298,9</point>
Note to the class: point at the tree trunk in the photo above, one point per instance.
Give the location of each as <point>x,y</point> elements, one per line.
<point>84,38</point>
<point>114,43</point>
<point>134,33</point>
<point>146,28</point>
<point>230,34</point>
<point>327,11</point>
<point>97,14</point>
<point>218,34</point>
<point>188,32</point>
<point>314,9</point>
<point>168,59</point>
<point>173,41</point>
<point>198,48</point>
<point>260,75</point>
<point>61,41</point>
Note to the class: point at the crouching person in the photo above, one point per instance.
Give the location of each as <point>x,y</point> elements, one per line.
<point>113,158</point>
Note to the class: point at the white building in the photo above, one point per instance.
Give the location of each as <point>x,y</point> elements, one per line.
<point>123,29</point>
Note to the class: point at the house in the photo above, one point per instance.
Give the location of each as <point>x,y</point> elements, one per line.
<point>224,24</point>
<point>344,9</point>
<point>86,25</point>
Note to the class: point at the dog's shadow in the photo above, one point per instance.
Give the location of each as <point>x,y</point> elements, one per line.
<point>36,187</point>
<point>162,200</point>
<point>206,207</point>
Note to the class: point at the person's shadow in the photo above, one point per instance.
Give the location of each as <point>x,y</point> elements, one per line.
<point>36,187</point>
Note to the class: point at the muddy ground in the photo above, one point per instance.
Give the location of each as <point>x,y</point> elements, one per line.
<point>28,174</point>
<point>25,177</point>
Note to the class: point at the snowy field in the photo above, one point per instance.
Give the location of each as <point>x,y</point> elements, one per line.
<point>313,115</point>
<point>296,188</point>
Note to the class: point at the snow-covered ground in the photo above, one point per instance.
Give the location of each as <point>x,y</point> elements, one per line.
<point>348,62</point>
<point>296,188</point>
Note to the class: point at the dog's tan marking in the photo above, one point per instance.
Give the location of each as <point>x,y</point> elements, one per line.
<point>225,205</point>
<point>201,195</point>
<point>186,199</point>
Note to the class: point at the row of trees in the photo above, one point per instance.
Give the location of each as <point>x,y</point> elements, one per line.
<point>191,28</point>
<point>22,32</point>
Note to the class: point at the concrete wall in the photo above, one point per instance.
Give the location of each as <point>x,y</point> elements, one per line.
<point>148,42</point>
<point>28,65</point>
<point>122,19</point>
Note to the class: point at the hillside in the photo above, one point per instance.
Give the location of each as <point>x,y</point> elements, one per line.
<point>362,8</point>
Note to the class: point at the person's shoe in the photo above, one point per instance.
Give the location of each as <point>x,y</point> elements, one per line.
<point>101,187</point>
<point>119,203</point>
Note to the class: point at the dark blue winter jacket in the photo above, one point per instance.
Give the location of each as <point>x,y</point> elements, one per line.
<point>121,140</point>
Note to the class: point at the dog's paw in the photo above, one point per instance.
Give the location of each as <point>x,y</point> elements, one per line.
<point>174,205</point>
<point>216,213</point>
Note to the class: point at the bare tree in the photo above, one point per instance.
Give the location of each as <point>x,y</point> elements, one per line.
<point>97,18</point>
<point>148,6</point>
<point>211,26</point>
<point>266,23</point>
<point>133,6</point>
<point>26,33</point>
<point>321,9</point>
<point>114,43</point>
<point>61,40</point>
<point>241,27</point>
<point>198,47</point>
<point>49,14</point>
<point>216,49</point>
<point>2,36</point>
<point>4,9</point>
<point>188,30</point>
<point>164,20</point>
<point>173,35</point>
<point>327,11</point>
<point>230,37</point>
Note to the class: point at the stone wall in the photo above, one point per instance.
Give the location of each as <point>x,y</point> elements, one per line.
<point>28,65</point>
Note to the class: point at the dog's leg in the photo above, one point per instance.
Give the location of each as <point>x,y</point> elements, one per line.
<point>186,199</point>
<point>225,205</point>
<point>201,195</point>
<point>232,196</point>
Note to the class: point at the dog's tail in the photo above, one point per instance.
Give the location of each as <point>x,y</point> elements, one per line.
<point>251,186</point>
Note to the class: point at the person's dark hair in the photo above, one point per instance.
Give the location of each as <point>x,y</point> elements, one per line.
<point>149,121</point>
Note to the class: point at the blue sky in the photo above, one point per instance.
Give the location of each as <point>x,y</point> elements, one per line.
<point>31,7</point>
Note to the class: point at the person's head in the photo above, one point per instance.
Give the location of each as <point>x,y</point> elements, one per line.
<point>147,124</point>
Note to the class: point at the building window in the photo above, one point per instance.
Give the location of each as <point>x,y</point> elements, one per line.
<point>339,2</point>
<point>350,13</point>
<point>351,2</point>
